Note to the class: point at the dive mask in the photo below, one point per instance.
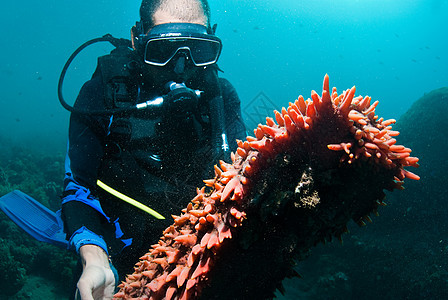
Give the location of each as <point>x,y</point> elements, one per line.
<point>164,41</point>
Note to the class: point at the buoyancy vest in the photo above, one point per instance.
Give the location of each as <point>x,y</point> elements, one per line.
<point>158,160</point>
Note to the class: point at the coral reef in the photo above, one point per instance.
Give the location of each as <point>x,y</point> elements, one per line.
<point>293,185</point>
<point>22,257</point>
<point>402,254</point>
<point>13,279</point>
<point>428,114</point>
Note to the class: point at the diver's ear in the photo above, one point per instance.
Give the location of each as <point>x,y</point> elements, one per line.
<point>136,31</point>
<point>133,35</point>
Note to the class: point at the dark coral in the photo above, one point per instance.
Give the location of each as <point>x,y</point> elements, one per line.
<point>402,255</point>
<point>39,175</point>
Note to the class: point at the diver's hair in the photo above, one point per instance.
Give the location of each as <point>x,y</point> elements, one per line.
<point>185,10</point>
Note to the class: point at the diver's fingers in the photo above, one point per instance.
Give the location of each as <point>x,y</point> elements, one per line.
<point>77,295</point>
<point>84,291</point>
<point>109,292</point>
<point>106,292</point>
<point>95,282</point>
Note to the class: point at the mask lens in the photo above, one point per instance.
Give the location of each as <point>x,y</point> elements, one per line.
<point>160,51</point>
<point>204,51</point>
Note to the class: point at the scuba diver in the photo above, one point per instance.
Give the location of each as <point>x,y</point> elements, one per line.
<point>144,131</point>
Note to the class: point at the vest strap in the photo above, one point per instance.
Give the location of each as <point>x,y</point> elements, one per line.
<point>129,200</point>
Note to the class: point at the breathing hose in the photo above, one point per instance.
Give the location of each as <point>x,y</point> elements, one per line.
<point>116,42</point>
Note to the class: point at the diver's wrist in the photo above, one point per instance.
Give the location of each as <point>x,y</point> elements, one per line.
<point>93,255</point>
<point>83,236</point>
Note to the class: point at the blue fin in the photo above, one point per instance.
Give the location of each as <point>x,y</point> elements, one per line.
<point>33,217</point>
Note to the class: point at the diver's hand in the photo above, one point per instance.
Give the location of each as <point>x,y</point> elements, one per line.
<point>97,280</point>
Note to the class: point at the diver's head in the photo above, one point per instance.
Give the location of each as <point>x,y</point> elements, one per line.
<point>155,12</point>
<point>174,39</point>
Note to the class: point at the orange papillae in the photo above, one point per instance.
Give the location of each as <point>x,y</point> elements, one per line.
<point>178,266</point>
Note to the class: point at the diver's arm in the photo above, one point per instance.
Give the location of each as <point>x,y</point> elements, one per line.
<point>84,220</point>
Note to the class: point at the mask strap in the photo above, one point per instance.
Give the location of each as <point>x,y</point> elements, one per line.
<point>138,28</point>
<point>136,31</point>
<point>213,29</point>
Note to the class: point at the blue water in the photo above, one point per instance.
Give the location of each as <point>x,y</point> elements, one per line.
<point>394,51</point>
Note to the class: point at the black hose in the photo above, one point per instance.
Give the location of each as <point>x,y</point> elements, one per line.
<point>106,38</point>
<point>217,128</point>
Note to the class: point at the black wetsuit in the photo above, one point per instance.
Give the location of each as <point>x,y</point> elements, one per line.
<point>158,161</point>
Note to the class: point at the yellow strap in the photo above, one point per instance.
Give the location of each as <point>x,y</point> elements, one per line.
<point>129,200</point>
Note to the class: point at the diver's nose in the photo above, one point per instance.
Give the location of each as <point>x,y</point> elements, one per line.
<point>179,68</point>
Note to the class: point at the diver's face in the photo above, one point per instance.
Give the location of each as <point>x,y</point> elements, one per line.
<point>180,68</point>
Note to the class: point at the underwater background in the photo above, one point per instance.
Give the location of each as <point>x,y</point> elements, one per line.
<point>394,51</point>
